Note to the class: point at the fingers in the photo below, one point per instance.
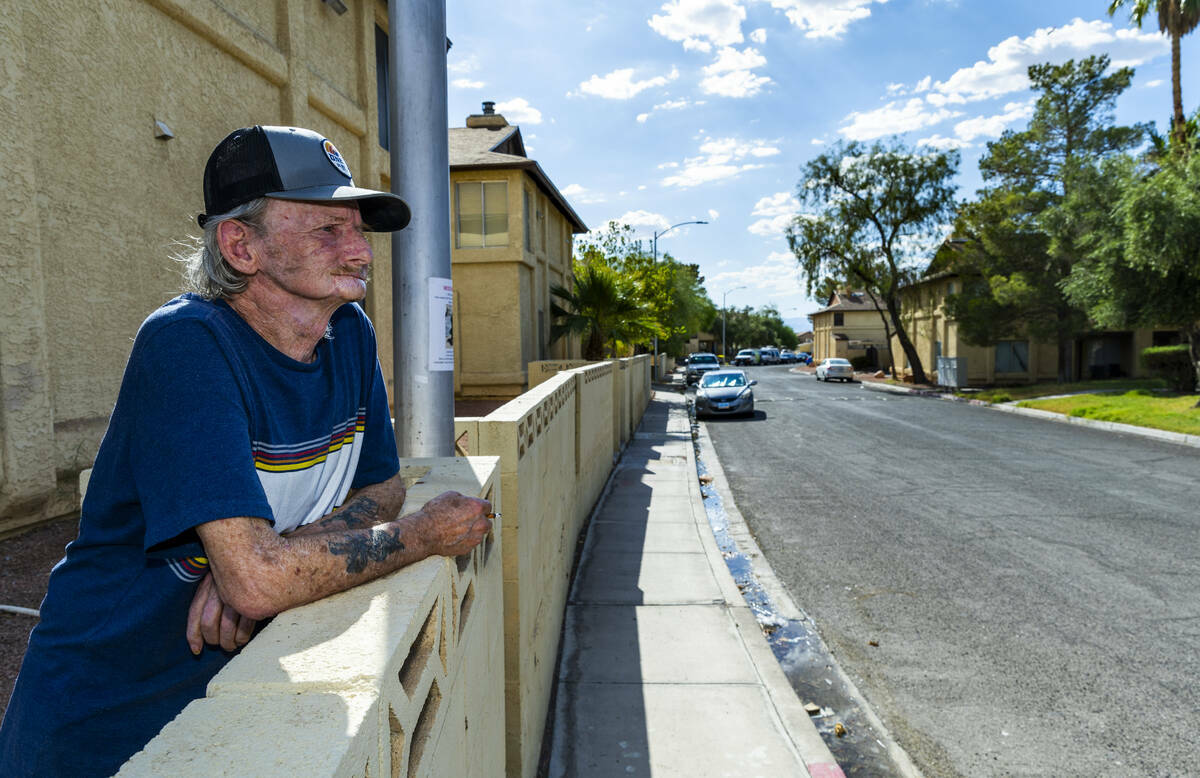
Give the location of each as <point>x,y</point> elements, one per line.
<point>195,637</point>
<point>212,622</point>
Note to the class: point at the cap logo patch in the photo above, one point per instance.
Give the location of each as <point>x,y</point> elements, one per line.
<point>335,158</point>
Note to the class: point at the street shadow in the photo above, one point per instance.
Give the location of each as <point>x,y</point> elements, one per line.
<point>758,415</point>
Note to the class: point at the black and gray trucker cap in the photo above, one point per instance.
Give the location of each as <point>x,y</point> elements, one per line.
<point>290,163</point>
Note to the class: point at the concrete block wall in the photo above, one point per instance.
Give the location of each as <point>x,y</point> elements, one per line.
<point>556,445</point>
<point>542,371</point>
<point>402,676</point>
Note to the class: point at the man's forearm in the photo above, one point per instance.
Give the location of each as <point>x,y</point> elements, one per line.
<point>366,507</point>
<point>261,573</point>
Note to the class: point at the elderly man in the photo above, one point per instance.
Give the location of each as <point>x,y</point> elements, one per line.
<point>249,465</point>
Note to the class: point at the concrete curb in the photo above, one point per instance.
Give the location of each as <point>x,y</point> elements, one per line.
<point>810,743</point>
<point>1164,436</point>
<point>794,721</point>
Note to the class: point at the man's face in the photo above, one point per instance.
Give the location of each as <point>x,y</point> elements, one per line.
<point>313,252</point>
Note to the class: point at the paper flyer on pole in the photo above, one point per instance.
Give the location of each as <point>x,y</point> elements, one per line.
<point>441,324</point>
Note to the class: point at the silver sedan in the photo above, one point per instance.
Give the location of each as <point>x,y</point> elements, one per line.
<point>724,392</point>
<point>835,368</point>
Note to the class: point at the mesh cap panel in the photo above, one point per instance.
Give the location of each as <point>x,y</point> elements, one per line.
<point>240,169</point>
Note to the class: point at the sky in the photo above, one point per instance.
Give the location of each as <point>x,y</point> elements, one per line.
<point>655,113</point>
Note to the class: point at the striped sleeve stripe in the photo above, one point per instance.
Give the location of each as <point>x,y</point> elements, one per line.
<point>278,458</point>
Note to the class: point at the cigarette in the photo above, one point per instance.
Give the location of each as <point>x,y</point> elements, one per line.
<point>492,516</point>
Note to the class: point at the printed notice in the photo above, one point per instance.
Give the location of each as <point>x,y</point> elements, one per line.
<point>441,324</point>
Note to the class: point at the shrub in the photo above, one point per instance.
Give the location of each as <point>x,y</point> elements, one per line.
<point>1173,364</point>
<point>1000,397</point>
<point>860,363</point>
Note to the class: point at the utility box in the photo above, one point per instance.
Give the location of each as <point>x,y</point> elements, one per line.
<point>952,372</point>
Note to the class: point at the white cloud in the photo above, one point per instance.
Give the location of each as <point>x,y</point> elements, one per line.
<point>713,215</point>
<point>824,18</point>
<point>936,141</point>
<point>700,24</point>
<point>669,105</point>
<point>1005,69</point>
<point>466,83</point>
<point>719,159</point>
<point>893,118</point>
<point>462,67</point>
<point>817,142</point>
<point>619,84</point>
<point>581,194</point>
<point>1152,84</point>
<point>649,220</point>
<point>519,111</point>
<point>775,213</point>
<point>759,36</point>
<point>991,126</point>
<point>778,274</point>
<point>896,88</point>
<point>739,83</point>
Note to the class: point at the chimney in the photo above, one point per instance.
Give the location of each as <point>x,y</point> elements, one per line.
<point>489,119</point>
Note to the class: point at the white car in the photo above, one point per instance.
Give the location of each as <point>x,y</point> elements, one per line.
<point>835,367</point>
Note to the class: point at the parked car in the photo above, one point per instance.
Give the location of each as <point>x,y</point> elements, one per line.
<point>770,355</point>
<point>698,365</point>
<point>747,356</point>
<point>804,358</point>
<point>835,367</point>
<point>787,356</point>
<point>725,392</point>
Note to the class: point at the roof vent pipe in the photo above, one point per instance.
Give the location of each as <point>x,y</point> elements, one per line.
<point>489,107</point>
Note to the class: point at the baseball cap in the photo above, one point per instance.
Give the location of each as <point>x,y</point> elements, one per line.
<point>291,163</point>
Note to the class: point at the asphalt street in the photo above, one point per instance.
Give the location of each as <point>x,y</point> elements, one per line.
<point>1033,588</point>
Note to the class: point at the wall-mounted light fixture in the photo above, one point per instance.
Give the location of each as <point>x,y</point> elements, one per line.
<point>162,131</point>
<point>337,5</point>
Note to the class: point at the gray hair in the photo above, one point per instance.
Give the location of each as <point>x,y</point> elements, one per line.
<point>205,269</point>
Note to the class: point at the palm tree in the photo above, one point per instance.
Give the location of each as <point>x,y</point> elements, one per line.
<point>1176,18</point>
<point>600,309</point>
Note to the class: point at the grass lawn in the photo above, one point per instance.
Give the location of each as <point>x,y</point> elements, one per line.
<point>1138,407</point>
<point>1010,393</point>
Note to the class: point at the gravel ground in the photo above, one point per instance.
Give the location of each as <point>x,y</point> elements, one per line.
<point>27,560</point>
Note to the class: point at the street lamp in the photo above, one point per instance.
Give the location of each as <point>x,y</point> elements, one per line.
<point>724,310</point>
<point>658,235</point>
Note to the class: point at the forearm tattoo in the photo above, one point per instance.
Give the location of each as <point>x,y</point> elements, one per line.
<point>361,549</point>
<point>360,512</point>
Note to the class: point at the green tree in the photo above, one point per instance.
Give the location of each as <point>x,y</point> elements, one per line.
<point>1021,243</point>
<point>874,214</point>
<point>669,292</point>
<point>1143,253</point>
<point>601,309</point>
<point>1176,18</point>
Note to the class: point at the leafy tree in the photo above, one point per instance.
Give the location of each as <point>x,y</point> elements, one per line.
<point>670,292</point>
<point>876,212</point>
<point>1143,263</point>
<point>601,309</point>
<point>751,328</point>
<point>1176,18</point>
<point>1021,243</point>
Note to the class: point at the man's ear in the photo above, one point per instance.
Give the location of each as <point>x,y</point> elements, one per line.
<point>234,239</point>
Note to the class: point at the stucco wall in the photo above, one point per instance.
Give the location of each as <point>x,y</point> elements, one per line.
<point>400,676</point>
<point>856,325</point>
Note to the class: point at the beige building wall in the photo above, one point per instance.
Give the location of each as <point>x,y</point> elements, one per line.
<point>861,326</point>
<point>503,292</point>
<point>95,202</point>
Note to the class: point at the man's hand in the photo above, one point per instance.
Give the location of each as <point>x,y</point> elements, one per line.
<point>212,621</point>
<point>451,524</point>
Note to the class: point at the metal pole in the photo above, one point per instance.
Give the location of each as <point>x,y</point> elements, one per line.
<point>420,157</point>
<point>654,367</point>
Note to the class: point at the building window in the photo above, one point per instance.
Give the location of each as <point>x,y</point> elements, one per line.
<point>481,217</point>
<point>839,319</point>
<point>541,222</point>
<point>381,83</point>
<point>528,223</point>
<point>1012,356</point>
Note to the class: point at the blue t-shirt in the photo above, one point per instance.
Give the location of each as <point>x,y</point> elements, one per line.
<point>211,422</point>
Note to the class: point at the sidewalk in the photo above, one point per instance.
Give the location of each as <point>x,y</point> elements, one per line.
<point>664,670</point>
